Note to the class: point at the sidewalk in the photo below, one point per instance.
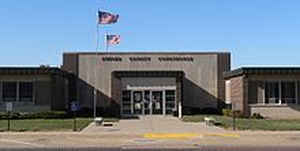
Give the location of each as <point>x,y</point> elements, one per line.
<point>150,132</point>
<point>152,124</point>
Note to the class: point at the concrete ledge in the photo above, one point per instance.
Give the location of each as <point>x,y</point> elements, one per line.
<point>284,111</point>
<point>274,105</point>
<point>25,107</point>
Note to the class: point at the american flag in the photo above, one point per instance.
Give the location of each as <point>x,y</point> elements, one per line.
<point>113,39</point>
<point>107,18</point>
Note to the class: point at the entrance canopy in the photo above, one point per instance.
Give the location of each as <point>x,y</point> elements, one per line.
<point>150,92</point>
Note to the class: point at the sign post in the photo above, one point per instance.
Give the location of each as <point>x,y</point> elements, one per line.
<point>9,107</point>
<point>74,109</point>
<point>233,116</point>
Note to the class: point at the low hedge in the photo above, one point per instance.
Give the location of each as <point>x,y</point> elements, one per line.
<point>229,113</point>
<point>38,115</point>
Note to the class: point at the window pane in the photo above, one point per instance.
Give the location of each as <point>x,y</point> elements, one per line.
<point>170,101</point>
<point>9,91</point>
<point>126,102</point>
<point>272,92</point>
<point>26,91</point>
<point>288,92</point>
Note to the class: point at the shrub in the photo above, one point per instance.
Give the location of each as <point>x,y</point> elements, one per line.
<point>210,111</point>
<point>227,112</point>
<point>38,115</point>
<point>256,116</point>
<point>187,111</point>
<point>85,112</point>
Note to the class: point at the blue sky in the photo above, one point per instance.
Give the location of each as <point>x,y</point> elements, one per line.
<point>256,31</point>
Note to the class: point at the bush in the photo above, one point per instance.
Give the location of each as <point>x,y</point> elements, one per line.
<point>229,113</point>
<point>210,111</point>
<point>197,111</point>
<point>84,112</point>
<point>38,115</point>
<point>256,116</point>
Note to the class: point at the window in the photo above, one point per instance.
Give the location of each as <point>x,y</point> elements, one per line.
<point>170,101</point>
<point>26,91</point>
<point>9,91</point>
<point>283,92</point>
<point>272,92</point>
<point>17,91</point>
<point>126,102</point>
<point>288,92</point>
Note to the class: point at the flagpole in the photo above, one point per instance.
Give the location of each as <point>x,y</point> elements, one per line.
<point>106,42</point>
<point>96,65</point>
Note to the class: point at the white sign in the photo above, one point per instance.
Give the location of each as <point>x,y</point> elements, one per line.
<point>9,106</point>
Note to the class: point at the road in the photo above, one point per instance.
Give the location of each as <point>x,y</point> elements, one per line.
<point>65,141</point>
<point>199,148</point>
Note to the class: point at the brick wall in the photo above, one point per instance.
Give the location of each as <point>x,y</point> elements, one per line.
<point>223,65</point>
<point>239,94</point>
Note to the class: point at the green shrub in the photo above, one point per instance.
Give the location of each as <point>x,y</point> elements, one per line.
<point>227,112</point>
<point>38,115</point>
<point>256,116</point>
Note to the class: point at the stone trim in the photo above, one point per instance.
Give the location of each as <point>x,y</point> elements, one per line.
<point>271,105</point>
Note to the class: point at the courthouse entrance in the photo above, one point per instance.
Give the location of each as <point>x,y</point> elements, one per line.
<point>148,102</point>
<point>148,92</point>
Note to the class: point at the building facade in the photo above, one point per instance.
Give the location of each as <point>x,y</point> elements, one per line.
<point>148,83</point>
<point>33,89</point>
<point>152,83</point>
<point>271,91</point>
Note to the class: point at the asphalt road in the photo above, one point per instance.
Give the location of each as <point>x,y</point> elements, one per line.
<point>200,148</point>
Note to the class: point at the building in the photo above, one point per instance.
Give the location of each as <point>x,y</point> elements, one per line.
<point>33,89</point>
<point>271,91</point>
<point>147,83</point>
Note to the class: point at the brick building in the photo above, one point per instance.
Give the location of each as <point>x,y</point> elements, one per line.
<point>33,89</point>
<point>270,91</point>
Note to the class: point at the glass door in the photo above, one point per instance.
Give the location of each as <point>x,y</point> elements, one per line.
<point>137,102</point>
<point>126,102</point>
<point>147,102</point>
<point>170,101</point>
<point>157,102</point>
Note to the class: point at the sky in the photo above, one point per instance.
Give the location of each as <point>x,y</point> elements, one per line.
<point>256,32</point>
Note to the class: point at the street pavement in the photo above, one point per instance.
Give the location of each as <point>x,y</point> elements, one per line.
<point>152,134</point>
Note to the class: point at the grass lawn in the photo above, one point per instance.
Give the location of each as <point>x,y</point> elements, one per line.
<point>249,124</point>
<point>45,124</point>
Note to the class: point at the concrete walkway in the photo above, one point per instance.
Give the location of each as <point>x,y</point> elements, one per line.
<point>153,124</point>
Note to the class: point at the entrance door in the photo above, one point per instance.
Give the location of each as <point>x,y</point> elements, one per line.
<point>137,102</point>
<point>142,102</point>
<point>147,102</point>
<point>157,102</point>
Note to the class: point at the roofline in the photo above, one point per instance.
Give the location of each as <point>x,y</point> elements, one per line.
<point>149,52</point>
<point>31,70</point>
<point>262,70</point>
